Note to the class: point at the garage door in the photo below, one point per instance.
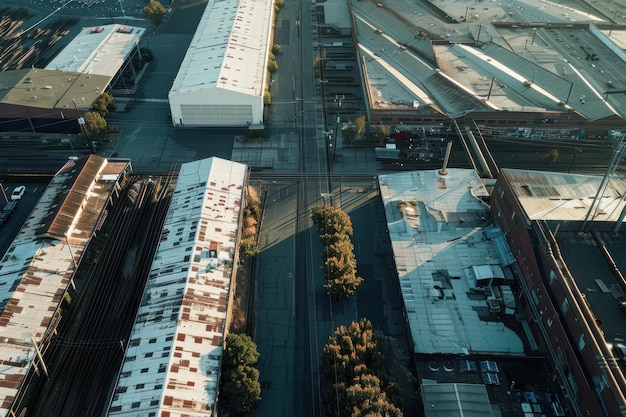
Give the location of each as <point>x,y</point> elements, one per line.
<point>215,115</point>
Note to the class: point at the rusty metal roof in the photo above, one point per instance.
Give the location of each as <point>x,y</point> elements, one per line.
<point>37,268</point>
<point>173,358</point>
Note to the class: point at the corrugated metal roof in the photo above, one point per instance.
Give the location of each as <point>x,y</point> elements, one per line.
<point>229,49</point>
<point>76,183</point>
<point>35,273</point>
<point>98,50</point>
<point>439,254</point>
<point>451,400</point>
<point>561,196</point>
<point>173,357</point>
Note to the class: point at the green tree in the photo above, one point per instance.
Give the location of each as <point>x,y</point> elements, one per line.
<point>353,361</point>
<point>276,49</point>
<point>247,248</point>
<point>241,390</point>
<point>351,351</point>
<point>330,220</point>
<point>272,66</point>
<point>103,104</point>
<point>267,98</point>
<point>349,133</point>
<point>366,398</point>
<point>154,12</point>
<point>95,126</point>
<point>240,350</point>
<point>344,286</point>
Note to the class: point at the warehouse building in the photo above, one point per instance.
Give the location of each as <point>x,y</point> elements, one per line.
<point>172,361</point>
<point>221,80</point>
<point>52,99</point>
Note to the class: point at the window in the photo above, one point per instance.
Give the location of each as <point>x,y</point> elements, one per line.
<point>135,342</point>
<point>154,402</point>
<point>581,342</point>
<point>564,306</point>
<point>144,371</point>
<point>139,386</point>
<point>136,404</point>
<point>152,340</point>
<point>148,355</point>
<point>551,276</point>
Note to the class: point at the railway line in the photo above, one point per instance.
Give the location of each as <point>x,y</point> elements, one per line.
<point>85,356</point>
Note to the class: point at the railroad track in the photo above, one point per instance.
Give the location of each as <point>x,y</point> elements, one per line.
<point>86,356</point>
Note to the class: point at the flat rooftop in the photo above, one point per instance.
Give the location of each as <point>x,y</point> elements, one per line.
<point>98,50</point>
<point>51,89</point>
<point>444,246</point>
<point>595,279</point>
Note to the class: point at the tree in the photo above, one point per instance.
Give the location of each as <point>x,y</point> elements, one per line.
<point>330,220</point>
<point>349,133</point>
<point>272,66</point>
<point>103,104</point>
<point>95,126</point>
<point>155,12</point>
<point>240,350</point>
<point>351,351</point>
<point>276,49</point>
<point>383,131</point>
<point>267,98</point>
<point>352,360</point>
<point>360,125</point>
<point>241,390</point>
<point>339,268</point>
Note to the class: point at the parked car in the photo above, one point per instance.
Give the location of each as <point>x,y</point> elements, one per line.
<point>7,211</point>
<point>18,193</point>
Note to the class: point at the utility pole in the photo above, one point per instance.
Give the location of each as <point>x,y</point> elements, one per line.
<point>81,123</point>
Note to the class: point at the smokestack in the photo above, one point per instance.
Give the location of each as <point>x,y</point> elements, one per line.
<point>444,168</point>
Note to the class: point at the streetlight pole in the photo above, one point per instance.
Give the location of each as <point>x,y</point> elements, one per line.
<point>338,101</point>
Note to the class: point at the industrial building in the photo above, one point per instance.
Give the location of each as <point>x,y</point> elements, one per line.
<point>222,78</point>
<point>52,99</point>
<point>481,313</point>
<point>566,234</point>
<point>38,267</point>
<point>173,359</point>
<point>492,63</point>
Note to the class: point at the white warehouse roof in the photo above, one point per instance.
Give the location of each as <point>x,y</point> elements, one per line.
<point>99,50</point>
<point>173,357</point>
<point>229,49</point>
